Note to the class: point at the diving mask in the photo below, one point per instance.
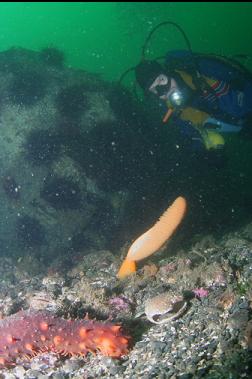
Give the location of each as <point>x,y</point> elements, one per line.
<point>166,89</point>
<point>161,86</point>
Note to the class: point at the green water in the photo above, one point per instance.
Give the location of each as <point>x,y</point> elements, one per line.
<point>107,37</point>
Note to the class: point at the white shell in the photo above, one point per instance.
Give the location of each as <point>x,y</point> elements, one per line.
<point>167,305</point>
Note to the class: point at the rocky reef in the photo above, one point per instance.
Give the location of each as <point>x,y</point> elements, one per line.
<point>66,163</point>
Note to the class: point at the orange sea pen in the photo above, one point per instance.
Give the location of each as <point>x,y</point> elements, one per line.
<point>151,241</point>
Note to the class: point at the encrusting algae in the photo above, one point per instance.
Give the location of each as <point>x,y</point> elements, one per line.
<point>152,240</point>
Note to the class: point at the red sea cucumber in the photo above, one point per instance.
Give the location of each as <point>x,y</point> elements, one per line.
<point>28,333</point>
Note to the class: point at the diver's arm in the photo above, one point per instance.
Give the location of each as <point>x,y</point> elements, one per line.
<point>194,116</point>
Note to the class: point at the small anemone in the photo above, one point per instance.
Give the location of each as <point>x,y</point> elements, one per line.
<point>52,57</point>
<point>61,193</point>
<point>42,147</point>
<point>27,87</point>
<point>30,232</point>
<point>71,102</point>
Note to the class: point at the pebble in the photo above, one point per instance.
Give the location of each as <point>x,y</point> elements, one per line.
<point>9,375</point>
<point>32,374</point>
<point>186,376</point>
<point>59,375</point>
<point>19,371</point>
<point>158,346</point>
<point>71,365</point>
<point>244,305</point>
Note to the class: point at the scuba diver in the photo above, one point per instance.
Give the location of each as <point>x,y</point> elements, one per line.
<point>205,95</point>
<point>204,102</point>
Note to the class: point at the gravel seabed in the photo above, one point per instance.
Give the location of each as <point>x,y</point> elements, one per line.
<point>212,339</point>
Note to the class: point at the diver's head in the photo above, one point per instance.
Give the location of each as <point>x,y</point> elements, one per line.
<point>152,77</point>
<point>146,72</point>
<point>167,89</point>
